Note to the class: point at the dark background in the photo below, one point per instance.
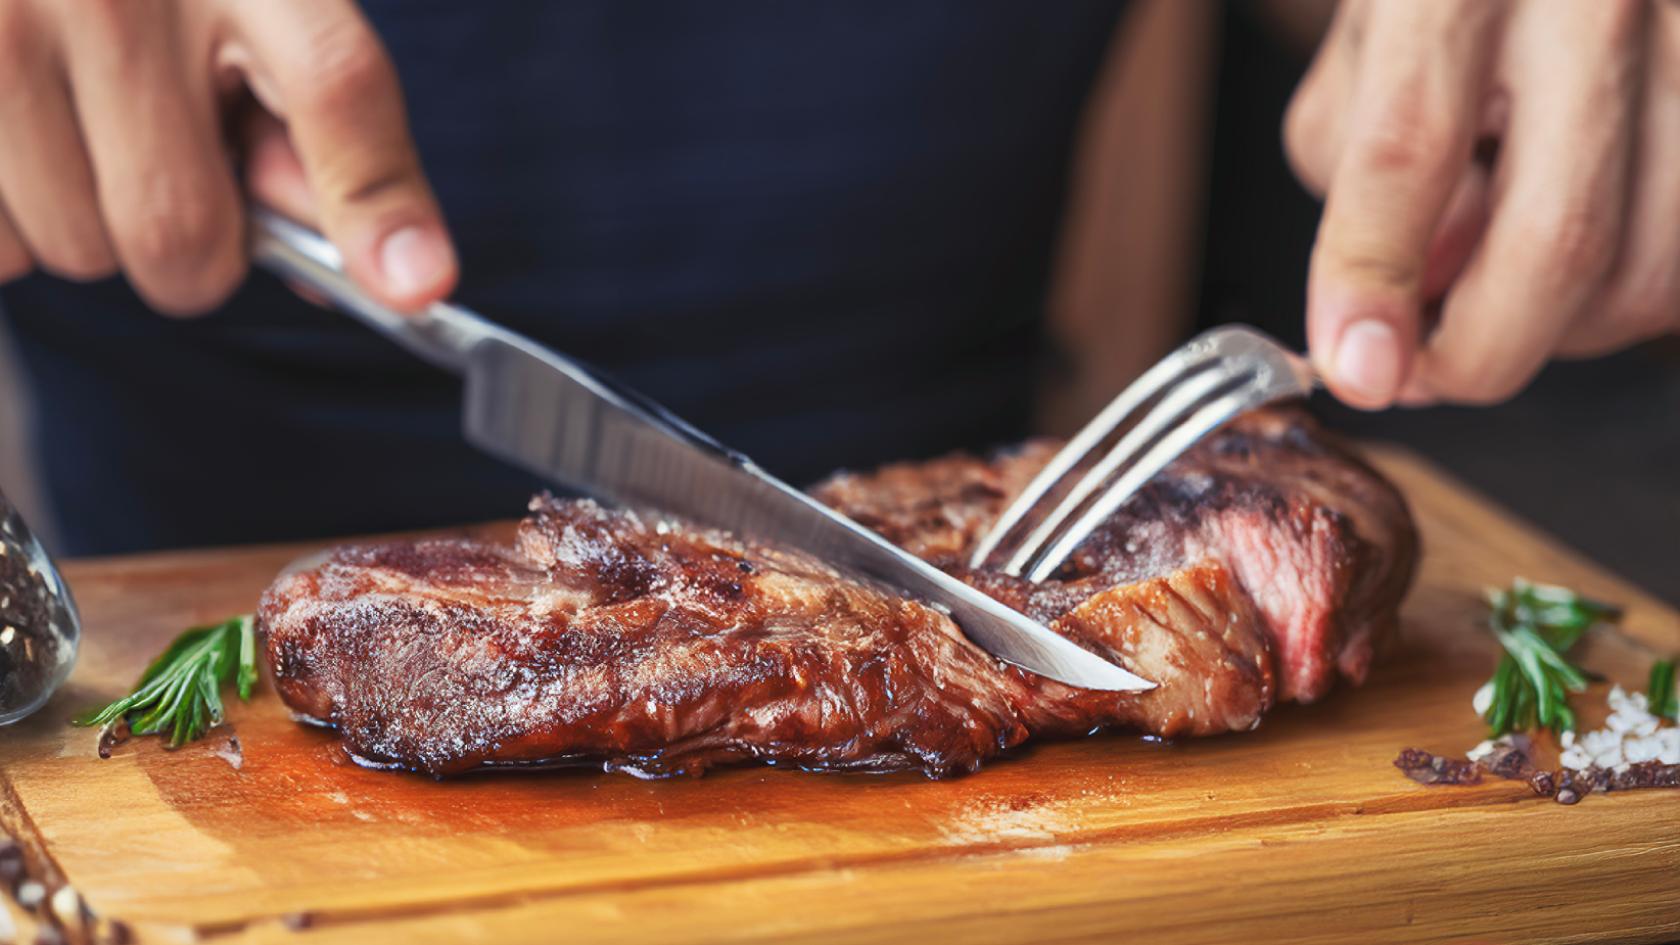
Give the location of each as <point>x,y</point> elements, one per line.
<point>1591,451</point>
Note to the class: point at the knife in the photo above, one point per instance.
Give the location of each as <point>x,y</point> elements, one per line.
<point>551,415</point>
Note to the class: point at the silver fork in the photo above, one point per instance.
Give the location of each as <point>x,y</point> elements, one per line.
<point>1185,396</point>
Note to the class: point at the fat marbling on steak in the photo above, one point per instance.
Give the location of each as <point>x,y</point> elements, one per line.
<point>1256,569</point>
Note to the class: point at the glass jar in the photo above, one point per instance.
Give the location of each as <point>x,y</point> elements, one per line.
<point>39,626</point>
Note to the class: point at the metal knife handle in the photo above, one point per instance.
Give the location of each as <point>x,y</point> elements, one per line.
<point>441,333</point>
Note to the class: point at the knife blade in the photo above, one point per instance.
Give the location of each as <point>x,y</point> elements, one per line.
<point>551,415</point>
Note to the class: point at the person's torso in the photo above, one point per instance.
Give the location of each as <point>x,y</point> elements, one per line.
<point>818,232</point>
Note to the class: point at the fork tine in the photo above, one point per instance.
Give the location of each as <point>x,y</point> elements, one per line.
<point>1179,403</point>
<point>1187,360</point>
<point>1255,390</point>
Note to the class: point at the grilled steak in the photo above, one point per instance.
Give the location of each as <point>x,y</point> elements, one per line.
<point>1254,570</point>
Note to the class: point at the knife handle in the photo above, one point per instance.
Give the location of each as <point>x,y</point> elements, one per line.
<point>441,333</point>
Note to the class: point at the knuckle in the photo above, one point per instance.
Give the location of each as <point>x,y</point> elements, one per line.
<point>346,63</point>
<point>1572,242</point>
<point>171,233</point>
<point>1620,21</point>
<point>197,296</point>
<point>1396,145</point>
<point>78,260</point>
<point>368,188</point>
<point>181,247</point>
<point>1403,137</point>
<point>1371,267</point>
<point>1643,305</point>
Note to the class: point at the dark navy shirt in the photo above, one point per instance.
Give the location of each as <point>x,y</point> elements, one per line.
<point>818,231</point>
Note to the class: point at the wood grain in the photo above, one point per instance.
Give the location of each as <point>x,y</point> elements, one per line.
<point>1300,832</point>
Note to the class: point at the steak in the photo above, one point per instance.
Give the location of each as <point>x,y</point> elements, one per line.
<point>1259,568</point>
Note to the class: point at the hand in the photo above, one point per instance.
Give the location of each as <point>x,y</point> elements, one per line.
<point>114,143</point>
<point>1503,187</point>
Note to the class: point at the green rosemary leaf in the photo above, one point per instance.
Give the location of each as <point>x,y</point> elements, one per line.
<point>172,655</point>
<point>1537,625</point>
<point>247,674</point>
<point>179,694</point>
<point>1660,692</point>
<point>1502,706</point>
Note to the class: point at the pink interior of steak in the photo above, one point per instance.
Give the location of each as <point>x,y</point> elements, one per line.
<point>1320,544</point>
<point>1249,572</point>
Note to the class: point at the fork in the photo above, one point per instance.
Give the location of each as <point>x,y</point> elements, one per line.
<point>1172,406</point>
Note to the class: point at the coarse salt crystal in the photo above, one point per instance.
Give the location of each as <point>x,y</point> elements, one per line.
<point>1631,735</point>
<point>30,894</point>
<point>1641,749</point>
<point>1483,700</point>
<point>1576,758</point>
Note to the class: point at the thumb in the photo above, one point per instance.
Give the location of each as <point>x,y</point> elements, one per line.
<point>342,105</point>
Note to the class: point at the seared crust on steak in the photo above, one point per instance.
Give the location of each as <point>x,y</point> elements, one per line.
<point>606,637</point>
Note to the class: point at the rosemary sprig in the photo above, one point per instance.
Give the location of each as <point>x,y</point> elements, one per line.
<point>1660,694</point>
<point>1537,625</point>
<point>181,690</point>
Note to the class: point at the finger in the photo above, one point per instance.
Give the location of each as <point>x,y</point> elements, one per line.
<point>1557,209</point>
<point>1461,227</point>
<point>165,186</point>
<point>15,261</point>
<point>1415,112</point>
<point>343,107</point>
<point>1642,295</point>
<point>1314,126</point>
<point>45,178</point>
<point>274,176</point>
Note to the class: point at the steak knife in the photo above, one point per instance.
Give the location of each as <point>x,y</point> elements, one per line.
<point>551,415</point>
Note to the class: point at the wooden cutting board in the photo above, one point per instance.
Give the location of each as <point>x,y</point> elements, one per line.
<point>1299,832</point>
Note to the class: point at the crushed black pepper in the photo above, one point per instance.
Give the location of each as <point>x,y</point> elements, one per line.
<point>1426,768</point>
<point>111,736</point>
<point>1511,762</point>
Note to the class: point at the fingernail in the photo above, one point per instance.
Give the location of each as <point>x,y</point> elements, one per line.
<point>1367,360</point>
<point>415,260</point>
